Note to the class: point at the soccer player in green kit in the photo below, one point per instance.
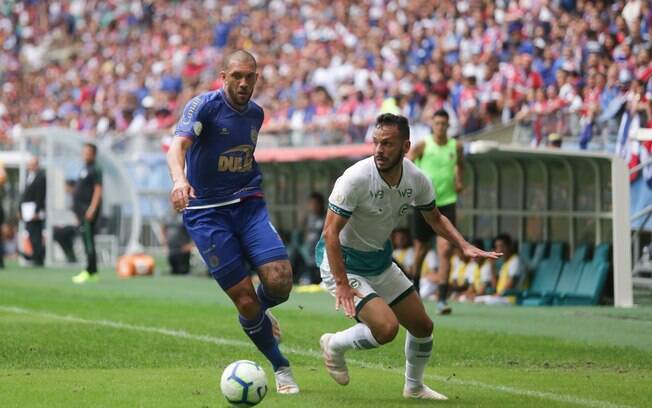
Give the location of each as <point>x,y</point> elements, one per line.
<point>441,159</point>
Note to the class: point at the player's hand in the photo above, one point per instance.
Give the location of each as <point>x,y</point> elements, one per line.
<point>181,193</point>
<point>88,216</point>
<point>474,253</point>
<point>344,295</point>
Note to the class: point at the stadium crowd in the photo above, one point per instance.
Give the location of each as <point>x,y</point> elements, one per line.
<point>326,68</point>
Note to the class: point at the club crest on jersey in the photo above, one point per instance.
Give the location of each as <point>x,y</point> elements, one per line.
<point>197,128</point>
<point>254,135</point>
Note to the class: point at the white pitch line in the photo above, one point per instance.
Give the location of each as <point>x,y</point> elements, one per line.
<point>566,399</point>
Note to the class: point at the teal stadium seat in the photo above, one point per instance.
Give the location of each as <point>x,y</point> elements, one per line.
<point>594,276</point>
<point>571,273</point>
<point>528,263</point>
<point>545,279</point>
<point>540,252</point>
<point>488,244</point>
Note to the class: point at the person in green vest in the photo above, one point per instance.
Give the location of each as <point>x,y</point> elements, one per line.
<point>441,159</point>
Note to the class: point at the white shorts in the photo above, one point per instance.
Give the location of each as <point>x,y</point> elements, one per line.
<point>392,286</point>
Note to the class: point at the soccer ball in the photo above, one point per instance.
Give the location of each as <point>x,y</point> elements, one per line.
<point>244,383</point>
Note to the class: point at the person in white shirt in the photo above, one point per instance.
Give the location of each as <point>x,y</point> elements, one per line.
<point>355,256</point>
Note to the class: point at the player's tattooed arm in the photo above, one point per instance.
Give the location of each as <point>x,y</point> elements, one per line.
<point>344,293</point>
<point>176,158</point>
<point>444,228</point>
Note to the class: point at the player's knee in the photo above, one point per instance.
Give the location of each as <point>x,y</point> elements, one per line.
<point>423,329</point>
<point>386,332</point>
<point>279,281</point>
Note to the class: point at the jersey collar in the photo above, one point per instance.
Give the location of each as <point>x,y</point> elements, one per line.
<point>383,178</point>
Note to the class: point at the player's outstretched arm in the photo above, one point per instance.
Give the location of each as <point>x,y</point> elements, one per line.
<point>443,227</point>
<point>344,293</point>
<point>176,157</point>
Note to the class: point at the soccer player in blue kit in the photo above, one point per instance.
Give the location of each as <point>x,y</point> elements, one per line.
<point>220,194</point>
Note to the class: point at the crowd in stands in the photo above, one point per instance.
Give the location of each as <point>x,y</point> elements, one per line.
<point>326,68</point>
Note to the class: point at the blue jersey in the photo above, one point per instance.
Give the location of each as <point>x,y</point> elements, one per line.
<point>220,164</point>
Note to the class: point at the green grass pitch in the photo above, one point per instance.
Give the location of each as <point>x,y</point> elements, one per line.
<point>163,342</point>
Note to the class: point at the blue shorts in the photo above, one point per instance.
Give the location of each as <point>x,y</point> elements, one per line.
<point>227,236</point>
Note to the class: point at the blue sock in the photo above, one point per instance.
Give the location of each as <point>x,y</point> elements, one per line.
<point>266,300</point>
<point>259,331</point>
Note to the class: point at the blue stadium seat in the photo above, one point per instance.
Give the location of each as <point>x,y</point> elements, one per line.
<point>594,276</point>
<point>570,275</point>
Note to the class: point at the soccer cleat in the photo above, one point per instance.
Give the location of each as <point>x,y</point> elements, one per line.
<point>276,327</point>
<point>423,393</point>
<point>335,363</point>
<point>443,309</point>
<point>285,383</point>
<point>83,277</point>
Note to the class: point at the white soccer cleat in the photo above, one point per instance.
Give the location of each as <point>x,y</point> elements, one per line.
<point>335,363</point>
<point>276,326</point>
<point>424,393</point>
<point>285,383</point>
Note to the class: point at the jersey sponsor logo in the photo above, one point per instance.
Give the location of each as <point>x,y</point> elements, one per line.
<point>194,104</point>
<point>405,193</point>
<point>403,210</point>
<point>380,194</point>
<point>239,159</point>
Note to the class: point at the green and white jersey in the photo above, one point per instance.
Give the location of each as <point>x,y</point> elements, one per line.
<point>374,209</point>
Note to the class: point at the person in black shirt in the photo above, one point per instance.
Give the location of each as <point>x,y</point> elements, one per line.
<point>179,245</point>
<point>32,205</point>
<point>87,202</point>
